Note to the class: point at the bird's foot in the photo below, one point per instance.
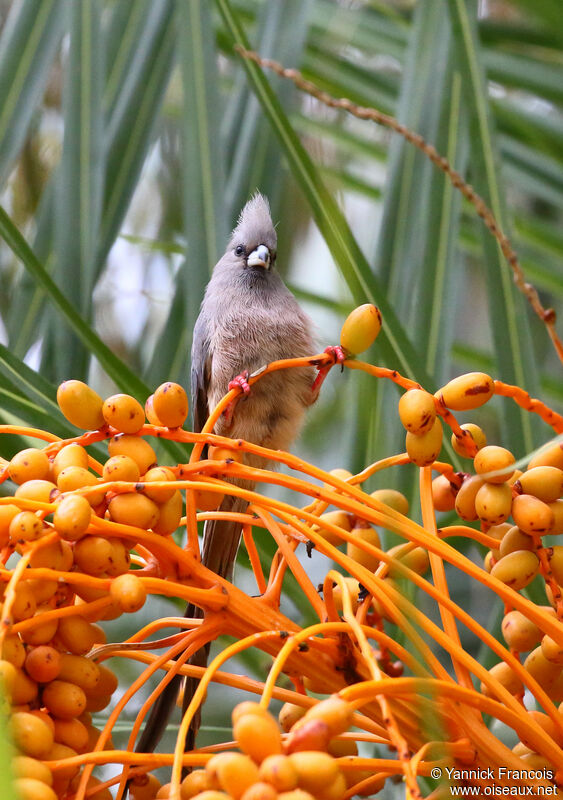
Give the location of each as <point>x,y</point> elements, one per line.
<point>338,356</point>
<point>240,382</point>
<point>337,353</point>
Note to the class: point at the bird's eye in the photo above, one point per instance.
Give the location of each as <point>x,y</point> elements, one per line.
<point>239,250</point>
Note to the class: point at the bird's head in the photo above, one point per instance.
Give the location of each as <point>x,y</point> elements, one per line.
<point>253,241</point>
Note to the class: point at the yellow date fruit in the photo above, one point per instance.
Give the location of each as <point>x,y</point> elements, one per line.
<point>392,498</point>
<point>63,699</point>
<point>551,455</point>
<point>194,783</point>
<point>31,734</point>
<point>120,558</point>
<point>443,494</point>
<point>136,448</point>
<point>361,329</point>
<point>207,500</point>
<point>25,604</point>
<point>131,508</point>
<point>425,448</point>
<point>33,789</point>
<point>7,513</point>
<point>493,503</point>
<point>552,650</point>
<point>170,404</point>
<point>78,635</point>
<point>24,689</point>
<point>258,735</point>
<point>28,767</point>
<point>289,714</point>
<point>260,791</point>
<point>150,413</point>
<point>467,391</point>
<point>545,483</point>
<point>417,411</point>
<point>465,498</point>
<point>506,676</point>
<point>43,663</point>
<point>145,786</point>
<point>59,752</point>
<point>555,556</point>
<point>129,592</point>
<point>315,769</point>
<point>415,558</point>
<point>27,465</point>
<point>71,732</point>
<point>476,433</point>
<point>279,772</point>
<point>13,650</point>
<point>43,631</point>
<point>79,670</point>
<point>544,671</point>
<point>92,555</point>
<point>160,494</point>
<point>121,468</point>
<point>517,569</point>
<point>515,539</point>
<point>72,517</point>
<point>339,519</point>
<point>233,772</point>
<point>334,711</point>
<point>72,478</point>
<point>124,413</point>
<point>519,632</point>
<point>493,459</point>
<point>371,537</point>
<point>170,515</point>
<point>533,516</point>
<point>80,404</point>
<point>25,527</point>
<point>557,511</point>
<point>39,491</point>
<point>71,455</point>
<point>56,555</point>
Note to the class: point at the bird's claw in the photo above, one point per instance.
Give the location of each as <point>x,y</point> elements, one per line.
<point>240,382</point>
<point>338,357</point>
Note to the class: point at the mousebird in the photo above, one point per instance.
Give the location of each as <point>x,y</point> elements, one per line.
<point>248,318</point>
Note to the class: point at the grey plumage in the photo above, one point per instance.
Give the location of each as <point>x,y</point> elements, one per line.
<point>248,318</point>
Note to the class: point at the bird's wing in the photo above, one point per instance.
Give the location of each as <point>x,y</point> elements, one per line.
<point>201,371</point>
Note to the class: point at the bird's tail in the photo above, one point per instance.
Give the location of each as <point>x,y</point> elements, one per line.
<point>221,540</point>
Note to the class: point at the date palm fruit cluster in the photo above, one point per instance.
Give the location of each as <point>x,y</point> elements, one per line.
<point>300,766</point>
<point>52,686</point>
<point>85,539</point>
<point>517,508</point>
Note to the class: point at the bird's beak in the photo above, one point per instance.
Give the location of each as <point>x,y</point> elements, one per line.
<point>259,257</point>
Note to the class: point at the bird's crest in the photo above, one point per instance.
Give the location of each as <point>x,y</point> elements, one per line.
<point>255,224</point>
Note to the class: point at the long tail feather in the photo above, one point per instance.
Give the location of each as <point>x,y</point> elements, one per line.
<point>221,541</point>
<point>220,545</point>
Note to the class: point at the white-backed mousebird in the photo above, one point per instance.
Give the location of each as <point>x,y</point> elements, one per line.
<point>248,318</point>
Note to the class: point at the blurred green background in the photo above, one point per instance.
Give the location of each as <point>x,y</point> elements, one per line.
<point>131,135</point>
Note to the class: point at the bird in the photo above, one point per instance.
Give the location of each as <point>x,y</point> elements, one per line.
<point>248,318</point>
